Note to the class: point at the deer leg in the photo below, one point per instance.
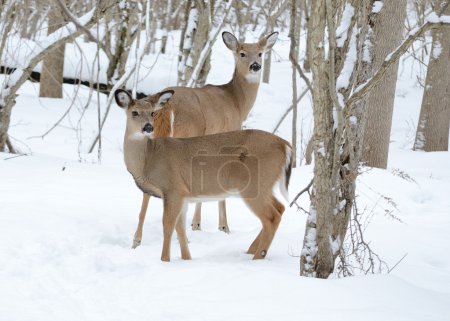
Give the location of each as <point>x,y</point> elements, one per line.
<point>270,217</point>
<point>181,232</point>
<point>196,221</point>
<point>172,209</point>
<point>138,235</point>
<point>223,224</point>
<point>268,232</point>
<point>254,246</point>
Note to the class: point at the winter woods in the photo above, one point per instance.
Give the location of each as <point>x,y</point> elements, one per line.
<point>338,63</point>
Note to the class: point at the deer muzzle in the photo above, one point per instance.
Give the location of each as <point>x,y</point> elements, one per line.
<point>148,128</point>
<point>255,67</point>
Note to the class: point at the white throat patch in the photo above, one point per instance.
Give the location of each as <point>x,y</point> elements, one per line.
<point>140,136</point>
<point>253,77</point>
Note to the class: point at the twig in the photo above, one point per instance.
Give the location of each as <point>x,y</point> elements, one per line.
<point>86,31</point>
<point>15,156</point>
<point>392,58</point>
<point>398,262</point>
<point>289,110</point>
<point>10,146</point>
<point>301,192</point>
<point>300,72</point>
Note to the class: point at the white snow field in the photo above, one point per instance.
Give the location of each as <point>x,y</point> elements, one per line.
<point>67,223</point>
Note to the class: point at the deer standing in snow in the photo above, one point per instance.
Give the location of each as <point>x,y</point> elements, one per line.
<point>212,109</point>
<point>247,164</point>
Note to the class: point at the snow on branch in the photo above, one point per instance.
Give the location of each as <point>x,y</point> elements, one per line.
<point>432,21</point>
<point>78,23</point>
<point>208,46</point>
<point>45,45</point>
<point>342,30</point>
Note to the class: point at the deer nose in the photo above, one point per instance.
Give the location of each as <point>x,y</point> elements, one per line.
<point>148,128</point>
<point>255,67</point>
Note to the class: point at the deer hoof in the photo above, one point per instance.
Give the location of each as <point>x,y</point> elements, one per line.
<point>224,229</point>
<point>136,243</point>
<point>196,227</point>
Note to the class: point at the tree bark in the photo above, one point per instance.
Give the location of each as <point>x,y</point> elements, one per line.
<point>293,55</point>
<point>433,126</point>
<point>196,34</point>
<point>53,63</point>
<point>388,32</point>
<point>317,259</point>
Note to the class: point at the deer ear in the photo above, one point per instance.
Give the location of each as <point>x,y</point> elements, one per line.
<point>123,98</point>
<point>230,41</point>
<point>163,99</point>
<point>267,42</point>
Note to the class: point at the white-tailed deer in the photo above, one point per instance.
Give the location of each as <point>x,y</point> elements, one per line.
<point>212,109</point>
<point>247,164</point>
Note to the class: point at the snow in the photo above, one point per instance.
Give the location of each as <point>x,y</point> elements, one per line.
<point>67,222</point>
<point>343,79</point>
<point>342,30</point>
<point>437,49</point>
<point>377,6</point>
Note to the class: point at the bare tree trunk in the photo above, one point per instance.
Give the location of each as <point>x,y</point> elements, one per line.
<point>335,149</point>
<point>317,259</point>
<point>433,126</point>
<point>388,32</point>
<point>53,63</point>
<point>166,27</point>
<point>293,55</point>
<point>267,64</point>
<point>305,6</point>
<point>198,26</point>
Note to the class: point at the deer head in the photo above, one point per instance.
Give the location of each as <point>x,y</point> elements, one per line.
<point>248,56</point>
<point>141,113</point>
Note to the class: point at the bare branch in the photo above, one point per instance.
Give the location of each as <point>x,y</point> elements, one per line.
<point>362,90</point>
<point>85,30</point>
<point>301,192</point>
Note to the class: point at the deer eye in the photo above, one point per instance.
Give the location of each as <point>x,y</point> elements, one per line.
<point>152,113</point>
<point>242,54</point>
<point>134,113</point>
<point>260,54</point>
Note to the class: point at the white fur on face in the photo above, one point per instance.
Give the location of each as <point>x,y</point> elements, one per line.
<point>140,136</point>
<point>253,77</point>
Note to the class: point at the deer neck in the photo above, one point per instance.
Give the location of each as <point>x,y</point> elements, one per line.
<point>245,89</point>
<point>136,154</point>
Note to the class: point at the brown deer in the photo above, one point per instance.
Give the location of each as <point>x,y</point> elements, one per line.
<point>212,109</point>
<point>247,164</point>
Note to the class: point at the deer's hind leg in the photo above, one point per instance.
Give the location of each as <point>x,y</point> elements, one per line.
<point>269,212</point>
<point>138,234</point>
<point>196,220</point>
<point>172,210</point>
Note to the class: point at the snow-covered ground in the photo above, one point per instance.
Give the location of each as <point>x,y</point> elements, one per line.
<point>67,223</point>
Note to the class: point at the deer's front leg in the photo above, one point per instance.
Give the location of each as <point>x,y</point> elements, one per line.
<point>181,232</point>
<point>196,221</point>
<point>138,235</point>
<point>172,209</point>
<point>223,224</point>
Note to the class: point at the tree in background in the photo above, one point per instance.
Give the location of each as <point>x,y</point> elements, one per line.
<point>388,28</point>
<point>434,120</point>
<point>53,62</point>
<point>340,38</point>
<point>194,36</point>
